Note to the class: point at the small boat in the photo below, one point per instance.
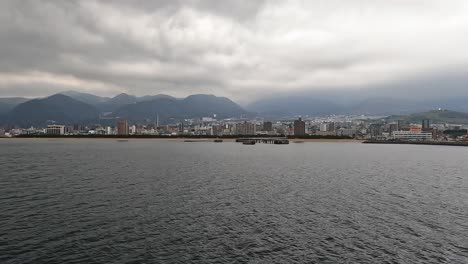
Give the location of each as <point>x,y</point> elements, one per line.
<point>122,140</point>
<point>218,140</point>
<point>249,142</point>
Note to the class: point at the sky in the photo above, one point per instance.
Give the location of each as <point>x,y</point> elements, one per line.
<point>240,49</point>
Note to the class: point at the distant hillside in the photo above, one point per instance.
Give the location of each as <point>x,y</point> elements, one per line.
<point>59,108</point>
<point>111,104</point>
<point>7,104</point>
<point>194,106</point>
<point>351,103</point>
<point>293,106</point>
<point>386,106</point>
<point>86,98</point>
<point>436,116</point>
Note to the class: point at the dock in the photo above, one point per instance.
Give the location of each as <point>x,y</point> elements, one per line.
<point>276,141</point>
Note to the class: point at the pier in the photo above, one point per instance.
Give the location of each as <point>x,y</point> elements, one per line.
<point>277,141</point>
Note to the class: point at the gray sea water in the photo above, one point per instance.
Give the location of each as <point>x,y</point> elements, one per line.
<point>103,201</point>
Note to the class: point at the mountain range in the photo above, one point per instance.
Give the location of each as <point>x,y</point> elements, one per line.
<point>72,107</point>
<point>349,104</point>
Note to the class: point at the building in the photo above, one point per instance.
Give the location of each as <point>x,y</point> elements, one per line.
<point>267,126</point>
<point>323,127</point>
<point>392,127</point>
<point>122,128</point>
<point>412,136</point>
<point>426,124</point>
<point>55,130</point>
<point>403,125</point>
<point>375,130</point>
<point>415,128</point>
<point>299,127</point>
<point>246,129</point>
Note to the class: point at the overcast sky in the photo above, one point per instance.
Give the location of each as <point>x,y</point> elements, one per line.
<point>239,49</point>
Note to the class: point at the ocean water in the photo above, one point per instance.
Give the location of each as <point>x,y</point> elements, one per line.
<point>104,201</point>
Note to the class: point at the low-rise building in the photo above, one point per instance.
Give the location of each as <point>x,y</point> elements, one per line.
<point>412,136</point>
<point>55,130</point>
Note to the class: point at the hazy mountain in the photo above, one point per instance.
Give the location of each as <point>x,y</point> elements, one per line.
<point>312,104</point>
<point>7,104</point>
<point>194,106</point>
<point>387,106</point>
<point>294,106</point>
<point>116,102</point>
<point>4,108</point>
<point>59,108</point>
<point>87,98</point>
<point>436,116</point>
<point>154,97</point>
<point>110,104</point>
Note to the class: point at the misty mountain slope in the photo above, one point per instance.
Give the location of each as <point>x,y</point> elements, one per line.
<point>195,106</point>
<point>124,99</point>
<point>387,106</point>
<point>310,104</point>
<point>294,105</point>
<point>154,97</point>
<point>4,108</point>
<point>86,98</point>
<point>59,108</point>
<point>459,104</point>
<point>435,116</point>
<point>117,102</point>
<point>110,104</point>
<point>7,104</point>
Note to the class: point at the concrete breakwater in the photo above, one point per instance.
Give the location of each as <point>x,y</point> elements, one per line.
<point>433,143</point>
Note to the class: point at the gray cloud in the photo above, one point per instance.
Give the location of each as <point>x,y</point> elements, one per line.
<point>230,48</point>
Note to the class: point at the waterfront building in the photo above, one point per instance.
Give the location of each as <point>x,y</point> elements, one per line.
<point>375,130</point>
<point>267,126</point>
<point>392,127</point>
<point>122,128</point>
<point>55,130</point>
<point>412,136</point>
<point>299,127</point>
<point>426,124</point>
<point>245,128</point>
<point>415,128</point>
<point>402,125</point>
<point>323,127</point>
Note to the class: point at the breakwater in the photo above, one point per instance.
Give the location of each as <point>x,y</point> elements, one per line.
<point>433,143</point>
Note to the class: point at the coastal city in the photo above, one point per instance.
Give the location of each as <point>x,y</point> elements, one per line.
<point>333,127</point>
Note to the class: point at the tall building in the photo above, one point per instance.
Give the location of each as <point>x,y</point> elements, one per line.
<point>267,126</point>
<point>299,127</point>
<point>392,127</point>
<point>375,130</point>
<point>403,125</point>
<point>426,124</point>
<point>245,129</point>
<point>323,127</point>
<point>122,128</point>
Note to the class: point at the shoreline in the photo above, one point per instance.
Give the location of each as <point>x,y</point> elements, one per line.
<point>310,140</point>
<point>426,143</point>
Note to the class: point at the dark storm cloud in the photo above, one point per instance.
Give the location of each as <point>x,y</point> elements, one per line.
<point>234,48</point>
